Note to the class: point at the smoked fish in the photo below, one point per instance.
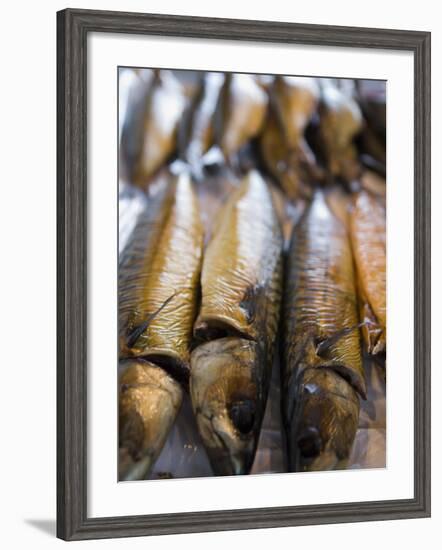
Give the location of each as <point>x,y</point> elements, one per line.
<point>281,162</point>
<point>240,113</point>
<point>236,327</point>
<point>284,149</point>
<point>164,107</point>
<point>296,100</point>
<point>368,238</point>
<point>340,121</point>
<point>322,371</point>
<point>158,300</point>
<point>196,132</point>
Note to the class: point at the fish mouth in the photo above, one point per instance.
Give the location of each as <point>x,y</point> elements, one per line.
<point>227,402</point>
<point>230,453</point>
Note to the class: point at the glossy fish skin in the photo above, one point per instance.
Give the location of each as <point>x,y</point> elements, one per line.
<point>323,421</point>
<point>296,100</point>
<point>132,133</point>
<point>375,185</point>
<point>280,160</point>
<point>159,280</point>
<point>165,105</point>
<point>229,390</point>
<point>241,112</point>
<point>368,236</point>
<point>242,264</point>
<point>320,331</point>
<point>196,132</point>
<point>339,202</point>
<point>149,400</point>
<point>237,324</point>
<point>283,146</point>
<point>340,122</point>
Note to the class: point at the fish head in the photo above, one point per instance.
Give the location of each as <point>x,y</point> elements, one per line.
<point>324,421</point>
<point>149,400</point>
<point>227,401</point>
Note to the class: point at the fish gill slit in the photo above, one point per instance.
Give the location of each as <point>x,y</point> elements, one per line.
<point>216,330</point>
<point>173,366</point>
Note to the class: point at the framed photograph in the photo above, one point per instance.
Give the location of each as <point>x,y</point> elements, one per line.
<point>243,274</point>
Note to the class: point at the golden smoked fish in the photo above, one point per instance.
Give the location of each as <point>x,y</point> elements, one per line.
<point>132,124</point>
<point>165,105</point>
<point>196,132</point>
<point>367,230</point>
<point>284,148</point>
<point>241,112</point>
<point>322,372</point>
<point>296,100</point>
<point>340,121</point>
<point>236,326</point>
<point>158,296</point>
<point>280,161</point>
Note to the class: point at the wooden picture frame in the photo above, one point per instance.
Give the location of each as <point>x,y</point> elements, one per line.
<point>73,27</point>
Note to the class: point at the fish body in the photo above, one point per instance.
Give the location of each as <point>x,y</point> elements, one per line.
<point>322,372</point>
<point>339,202</point>
<point>374,184</point>
<point>164,108</point>
<point>280,160</point>
<point>158,297</point>
<point>196,134</point>
<point>159,279</point>
<point>132,124</point>
<point>241,263</point>
<point>296,100</point>
<point>241,112</point>
<point>236,326</point>
<point>340,121</point>
<point>368,237</point>
<point>284,148</point>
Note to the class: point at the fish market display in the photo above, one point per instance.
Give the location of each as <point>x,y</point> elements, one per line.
<point>368,241</point>
<point>323,372</point>
<point>252,274</point>
<point>237,324</point>
<point>158,281</point>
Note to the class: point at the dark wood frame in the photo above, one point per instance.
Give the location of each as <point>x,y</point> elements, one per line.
<point>73,27</point>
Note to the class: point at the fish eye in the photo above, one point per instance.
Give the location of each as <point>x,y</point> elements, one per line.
<point>242,414</point>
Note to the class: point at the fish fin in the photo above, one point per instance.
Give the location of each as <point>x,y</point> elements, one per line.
<point>306,352</point>
<point>136,332</point>
<point>325,344</point>
<point>252,301</point>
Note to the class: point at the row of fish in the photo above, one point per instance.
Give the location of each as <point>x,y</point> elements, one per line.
<point>209,320</point>
<point>306,130</point>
